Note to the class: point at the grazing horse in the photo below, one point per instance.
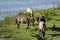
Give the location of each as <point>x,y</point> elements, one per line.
<point>25,20</point>
<point>30,10</point>
<point>42,26</point>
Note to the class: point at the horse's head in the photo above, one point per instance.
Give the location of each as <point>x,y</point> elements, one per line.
<point>32,19</point>
<point>42,18</point>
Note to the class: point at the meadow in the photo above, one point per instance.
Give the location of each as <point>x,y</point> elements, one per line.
<point>9,31</point>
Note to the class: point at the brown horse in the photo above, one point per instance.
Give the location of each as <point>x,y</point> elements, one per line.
<point>25,20</point>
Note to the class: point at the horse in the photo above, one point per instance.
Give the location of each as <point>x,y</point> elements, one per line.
<point>42,26</point>
<point>30,11</point>
<point>25,20</point>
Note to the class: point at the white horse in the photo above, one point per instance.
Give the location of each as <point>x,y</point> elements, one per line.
<point>30,10</point>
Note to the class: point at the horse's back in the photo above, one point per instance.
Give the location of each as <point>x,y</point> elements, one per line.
<point>21,19</point>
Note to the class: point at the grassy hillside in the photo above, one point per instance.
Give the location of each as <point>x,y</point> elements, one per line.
<point>9,31</point>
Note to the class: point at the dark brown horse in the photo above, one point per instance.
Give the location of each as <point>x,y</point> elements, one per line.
<point>25,20</point>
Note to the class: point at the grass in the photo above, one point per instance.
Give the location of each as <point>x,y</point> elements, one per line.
<point>8,28</point>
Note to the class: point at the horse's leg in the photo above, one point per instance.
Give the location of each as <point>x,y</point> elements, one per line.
<point>28,24</point>
<point>17,22</point>
<point>19,25</point>
<point>33,23</point>
<point>40,33</point>
<point>44,30</point>
<point>43,34</point>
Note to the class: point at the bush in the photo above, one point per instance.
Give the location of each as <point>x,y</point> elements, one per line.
<point>6,18</point>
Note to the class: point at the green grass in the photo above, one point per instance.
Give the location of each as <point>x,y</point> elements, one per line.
<point>8,28</point>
